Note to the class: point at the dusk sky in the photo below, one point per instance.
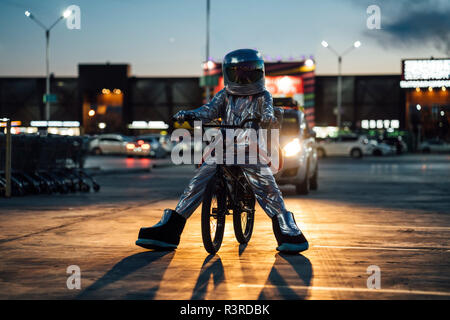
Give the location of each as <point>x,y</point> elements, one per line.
<point>167,38</point>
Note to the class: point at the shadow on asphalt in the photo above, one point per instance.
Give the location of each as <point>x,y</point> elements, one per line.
<point>212,266</point>
<point>288,279</point>
<point>127,267</point>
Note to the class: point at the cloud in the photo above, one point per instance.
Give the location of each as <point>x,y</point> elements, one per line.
<point>414,23</point>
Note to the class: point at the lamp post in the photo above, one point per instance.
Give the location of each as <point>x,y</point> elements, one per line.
<point>66,14</point>
<point>355,45</point>
<point>207,91</point>
<point>7,156</point>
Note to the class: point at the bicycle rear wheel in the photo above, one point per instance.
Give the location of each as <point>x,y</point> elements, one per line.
<point>213,216</point>
<point>244,218</point>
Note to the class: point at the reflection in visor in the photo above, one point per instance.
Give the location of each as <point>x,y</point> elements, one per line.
<point>245,72</point>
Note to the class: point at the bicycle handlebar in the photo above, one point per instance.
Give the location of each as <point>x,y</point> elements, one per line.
<point>231,126</point>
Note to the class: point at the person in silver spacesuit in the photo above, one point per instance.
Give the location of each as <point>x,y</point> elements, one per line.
<point>244,97</point>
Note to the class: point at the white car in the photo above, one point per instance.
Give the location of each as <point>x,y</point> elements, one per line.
<point>117,144</point>
<point>349,145</point>
<point>434,146</point>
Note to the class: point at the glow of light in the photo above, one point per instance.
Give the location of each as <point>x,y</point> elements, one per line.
<point>102,125</point>
<point>442,113</point>
<point>395,124</point>
<point>424,83</point>
<point>444,89</point>
<point>372,124</point>
<point>418,107</point>
<point>386,123</point>
<point>70,123</point>
<point>130,146</point>
<point>117,91</point>
<point>292,148</point>
<point>145,146</point>
<point>324,44</point>
<point>323,132</point>
<point>106,91</point>
<point>209,65</point>
<point>417,89</point>
<point>285,85</point>
<point>379,124</point>
<point>27,13</point>
<point>91,113</point>
<point>365,124</point>
<point>438,69</point>
<point>309,62</point>
<point>67,13</point>
<point>430,89</point>
<point>357,44</point>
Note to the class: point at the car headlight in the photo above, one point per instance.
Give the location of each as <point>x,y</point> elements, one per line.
<point>292,148</point>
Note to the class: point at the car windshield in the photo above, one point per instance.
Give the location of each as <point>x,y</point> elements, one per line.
<point>290,125</point>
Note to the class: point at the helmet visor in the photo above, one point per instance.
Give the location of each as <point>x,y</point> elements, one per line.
<point>245,72</point>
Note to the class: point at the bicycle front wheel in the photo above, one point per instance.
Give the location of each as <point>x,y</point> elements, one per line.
<point>244,218</point>
<point>213,216</point>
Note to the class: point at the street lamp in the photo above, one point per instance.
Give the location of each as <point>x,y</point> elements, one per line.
<point>65,14</point>
<point>355,45</point>
<point>207,47</point>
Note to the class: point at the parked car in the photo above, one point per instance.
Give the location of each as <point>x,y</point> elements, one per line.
<point>434,145</point>
<point>116,144</point>
<point>345,145</point>
<point>382,149</point>
<point>138,148</point>
<point>300,165</point>
<point>398,143</point>
<point>158,145</point>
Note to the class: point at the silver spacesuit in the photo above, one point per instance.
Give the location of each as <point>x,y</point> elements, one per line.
<point>244,97</point>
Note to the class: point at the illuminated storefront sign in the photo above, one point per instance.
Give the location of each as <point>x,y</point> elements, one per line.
<point>13,124</point>
<point>425,73</point>
<point>148,125</point>
<point>380,124</point>
<point>279,86</point>
<point>56,124</point>
<point>425,83</point>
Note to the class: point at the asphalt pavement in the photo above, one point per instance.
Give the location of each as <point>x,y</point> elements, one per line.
<point>390,214</point>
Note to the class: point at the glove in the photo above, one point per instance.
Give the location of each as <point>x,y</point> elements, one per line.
<point>268,120</point>
<point>182,115</point>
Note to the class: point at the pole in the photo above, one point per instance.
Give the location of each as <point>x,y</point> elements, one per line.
<point>207,47</point>
<point>47,70</point>
<point>8,159</point>
<point>339,93</point>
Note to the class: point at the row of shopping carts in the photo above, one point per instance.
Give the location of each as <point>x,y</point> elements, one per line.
<point>46,164</point>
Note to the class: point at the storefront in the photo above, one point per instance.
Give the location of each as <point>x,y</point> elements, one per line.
<point>426,83</point>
